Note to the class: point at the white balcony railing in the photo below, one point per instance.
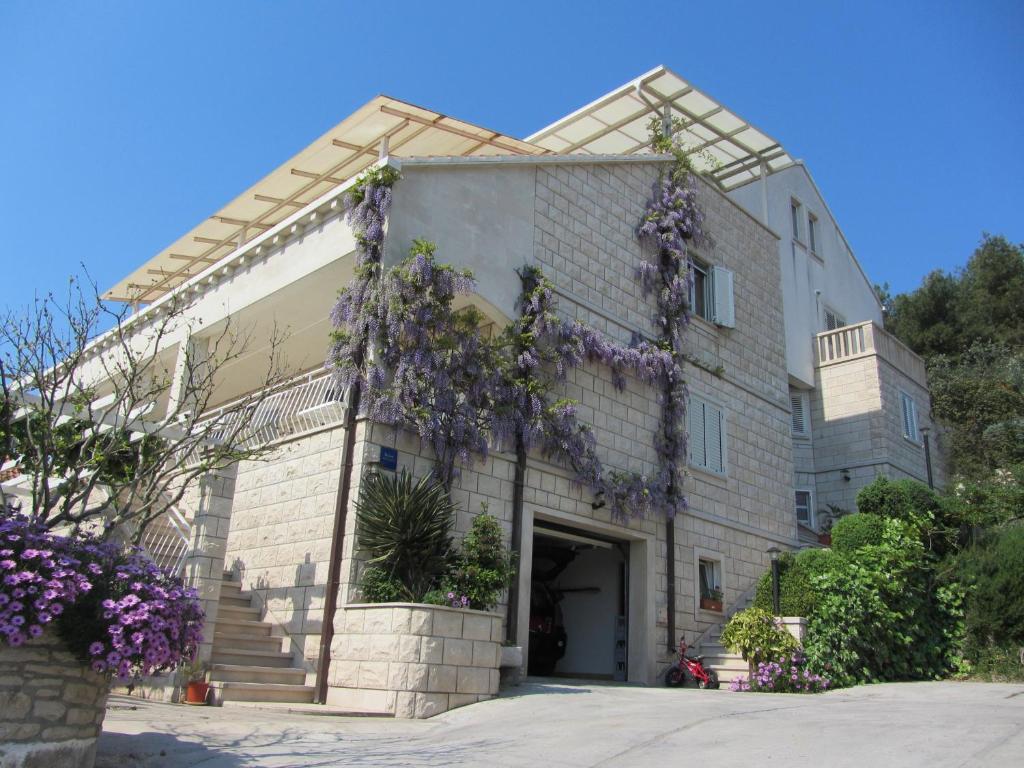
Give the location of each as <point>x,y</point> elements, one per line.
<point>867,338</point>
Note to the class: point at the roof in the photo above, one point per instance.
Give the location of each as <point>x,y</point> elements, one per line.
<point>381,126</point>
<point>617,123</point>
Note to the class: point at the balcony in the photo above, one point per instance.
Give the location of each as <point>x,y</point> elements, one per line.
<point>862,340</point>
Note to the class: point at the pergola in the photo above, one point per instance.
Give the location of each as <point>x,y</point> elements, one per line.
<point>728,150</point>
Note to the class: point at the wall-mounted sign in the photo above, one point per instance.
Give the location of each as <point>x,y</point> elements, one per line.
<point>388,458</point>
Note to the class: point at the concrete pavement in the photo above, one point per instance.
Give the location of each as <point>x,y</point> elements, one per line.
<point>935,724</point>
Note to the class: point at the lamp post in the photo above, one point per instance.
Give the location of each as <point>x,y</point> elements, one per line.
<point>928,456</point>
<point>773,553</point>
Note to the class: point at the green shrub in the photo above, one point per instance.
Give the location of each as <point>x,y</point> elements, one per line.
<point>993,572</point>
<point>852,532</point>
<point>483,569</point>
<point>882,613</point>
<point>379,587</point>
<point>815,562</point>
<point>902,499</point>
<point>754,634</point>
<point>406,530</point>
<point>797,589</point>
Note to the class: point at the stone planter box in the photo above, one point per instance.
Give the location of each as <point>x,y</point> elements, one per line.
<point>411,660</point>
<point>51,706</point>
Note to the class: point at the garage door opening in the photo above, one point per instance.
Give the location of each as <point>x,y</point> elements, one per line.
<point>578,604</point>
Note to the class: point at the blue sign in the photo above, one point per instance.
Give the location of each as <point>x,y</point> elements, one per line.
<point>388,458</point>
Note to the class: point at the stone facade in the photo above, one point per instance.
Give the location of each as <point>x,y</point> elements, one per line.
<point>51,706</point>
<point>413,660</point>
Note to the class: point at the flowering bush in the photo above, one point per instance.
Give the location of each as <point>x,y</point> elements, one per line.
<point>789,674</point>
<point>116,611</point>
<point>757,636</point>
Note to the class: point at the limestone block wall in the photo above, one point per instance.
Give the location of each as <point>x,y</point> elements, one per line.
<point>280,537</point>
<point>51,706</point>
<point>413,660</point>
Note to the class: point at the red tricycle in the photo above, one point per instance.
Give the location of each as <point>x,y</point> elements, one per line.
<point>690,668</point>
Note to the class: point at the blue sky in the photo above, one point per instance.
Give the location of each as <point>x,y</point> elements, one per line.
<point>125,123</point>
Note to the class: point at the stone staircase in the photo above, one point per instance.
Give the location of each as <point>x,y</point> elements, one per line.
<point>247,663</point>
<point>726,664</point>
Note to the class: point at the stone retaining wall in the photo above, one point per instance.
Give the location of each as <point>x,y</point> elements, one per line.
<point>413,660</point>
<point>51,706</point>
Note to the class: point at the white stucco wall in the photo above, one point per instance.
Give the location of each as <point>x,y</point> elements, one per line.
<point>835,272</point>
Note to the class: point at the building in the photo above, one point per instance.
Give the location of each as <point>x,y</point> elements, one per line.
<point>798,397</point>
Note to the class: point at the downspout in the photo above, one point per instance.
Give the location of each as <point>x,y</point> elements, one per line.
<point>337,543</point>
<point>670,575</point>
<point>519,481</point>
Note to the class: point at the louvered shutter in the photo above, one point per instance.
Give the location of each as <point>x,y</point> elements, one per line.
<point>698,451</point>
<point>909,412</point>
<point>796,401</point>
<point>713,438</point>
<point>724,311</point>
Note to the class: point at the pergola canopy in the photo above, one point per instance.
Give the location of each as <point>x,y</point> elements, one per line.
<point>380,127</point>
<point>615,124</point>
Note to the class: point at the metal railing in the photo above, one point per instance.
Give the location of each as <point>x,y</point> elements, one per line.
<point>167,539</point>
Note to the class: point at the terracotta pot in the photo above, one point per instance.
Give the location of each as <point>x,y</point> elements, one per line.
<point>711,605</point>
<point>196,692</point>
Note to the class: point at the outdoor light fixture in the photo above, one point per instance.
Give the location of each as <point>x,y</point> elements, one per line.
<point>845,474</point>
<point>773,553</point>
<point>598,501</point>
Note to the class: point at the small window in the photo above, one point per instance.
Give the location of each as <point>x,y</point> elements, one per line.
<point>833,320</point>
<point>800,414</point>
<point>908,413</point>
<point>709,575</point>
<point>795,209</point>
<point>700,292</point>
<point>812,232</point>
<point>804,508</point>
<point>707,436</point>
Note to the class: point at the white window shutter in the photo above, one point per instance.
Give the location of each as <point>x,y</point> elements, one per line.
<point>724,312</point>
<point>796,401</point>
<point>698,451</point>
<point>713,426</point>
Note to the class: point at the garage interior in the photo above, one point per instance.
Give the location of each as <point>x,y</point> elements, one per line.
<point>578,604</point>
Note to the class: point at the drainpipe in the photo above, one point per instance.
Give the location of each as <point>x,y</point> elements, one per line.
<point>764,193</point>
<point>337,543</point>
<point>670,575</point>
<point>519,481</point>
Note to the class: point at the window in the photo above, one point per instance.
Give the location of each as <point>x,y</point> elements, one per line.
<point>805,508</point>
<point>709,576</point>
<point>812,232</point>
<point>707,436</point>
<point>711,295</point>
<point>795,209</point>
<point>833,319</point>
<point>908,412</point>
<point>800,414</point>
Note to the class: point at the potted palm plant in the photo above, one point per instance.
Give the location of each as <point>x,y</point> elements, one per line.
<point>198,688</point>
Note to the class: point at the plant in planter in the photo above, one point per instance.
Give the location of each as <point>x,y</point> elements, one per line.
<point>483,568</point>
<point>712,601</point>
<point>755,634</point>
<point>405,526</point>
<point>197,688</point>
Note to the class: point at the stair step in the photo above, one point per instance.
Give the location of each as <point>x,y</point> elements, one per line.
<point>243,673</point>
<point>225,641</point>
<point>264,692</point>
<point>257,658</point>
<point>247,628</point>
<point>236,601</point>
<point>238,612</point>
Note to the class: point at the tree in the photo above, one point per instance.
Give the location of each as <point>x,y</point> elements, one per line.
<point>112,428</point>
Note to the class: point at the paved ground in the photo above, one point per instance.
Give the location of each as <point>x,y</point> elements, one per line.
<point>906,724</point>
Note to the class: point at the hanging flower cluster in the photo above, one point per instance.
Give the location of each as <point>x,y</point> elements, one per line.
<point>671,221</point>
<point>116,611</point>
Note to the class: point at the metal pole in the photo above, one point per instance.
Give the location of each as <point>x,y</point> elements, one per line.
<point>775,588</point>
<point>928,460</point>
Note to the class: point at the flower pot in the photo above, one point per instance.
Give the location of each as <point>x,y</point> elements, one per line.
<point>709,604</point>
<point>196,692</point>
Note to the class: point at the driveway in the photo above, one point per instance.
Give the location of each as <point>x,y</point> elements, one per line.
<point>933,724</point>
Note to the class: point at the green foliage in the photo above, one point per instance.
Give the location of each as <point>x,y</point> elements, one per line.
<point>993,572</point>
<point>798,593</point>
<point>754,634</point>
<point>852,532</point>
<point>980,394</point>
<point>378,586</point>
<point>882,614</point>
<point>483,568</point>
<point>899,499</point>
<point>994,500</point>
<point>981,302</point>
<point>1000,664</point>
<point>406,530</point>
